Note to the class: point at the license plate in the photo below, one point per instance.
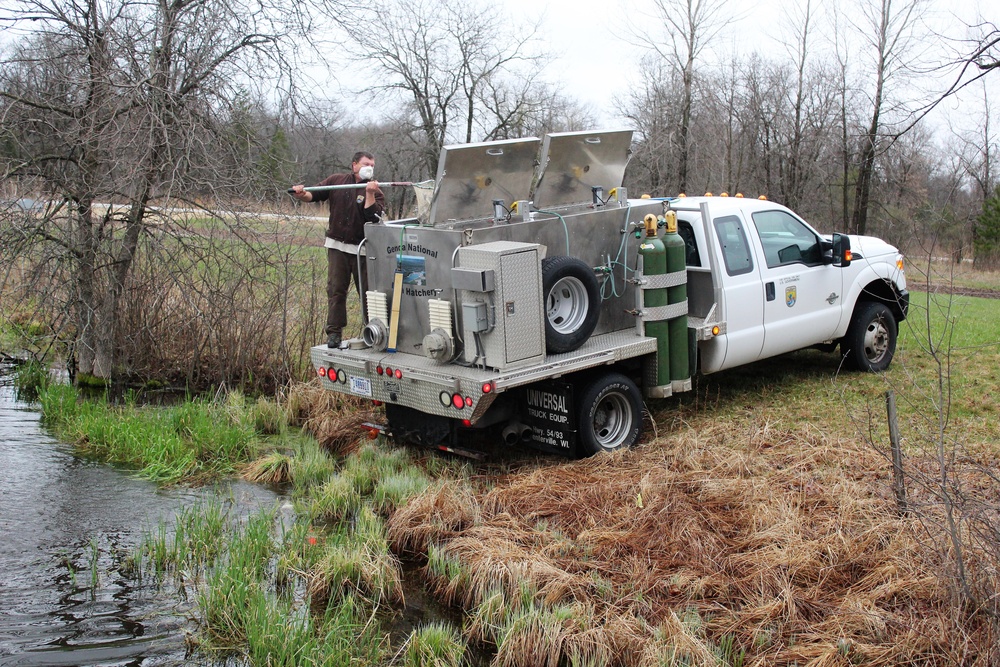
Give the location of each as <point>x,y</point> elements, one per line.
<point>361,386</point>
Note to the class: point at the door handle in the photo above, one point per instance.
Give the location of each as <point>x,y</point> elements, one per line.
<point>769,291</point>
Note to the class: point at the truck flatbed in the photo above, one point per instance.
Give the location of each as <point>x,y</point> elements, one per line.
<point>422,381</point>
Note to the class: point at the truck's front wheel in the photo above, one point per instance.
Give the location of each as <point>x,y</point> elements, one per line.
<point>610,414</point>
<point>870,342</point>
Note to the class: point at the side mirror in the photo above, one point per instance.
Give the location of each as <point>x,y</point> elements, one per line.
<point>841,250</point>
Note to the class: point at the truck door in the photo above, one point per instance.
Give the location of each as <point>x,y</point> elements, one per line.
<point>802,294</point>
<point>741,303</point>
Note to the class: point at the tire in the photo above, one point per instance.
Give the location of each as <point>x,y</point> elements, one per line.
<point>870,342</point>
<point>572,303</point>
<point>609,415</point>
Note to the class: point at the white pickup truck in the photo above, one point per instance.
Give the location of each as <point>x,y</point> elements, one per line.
<point>544,303</point>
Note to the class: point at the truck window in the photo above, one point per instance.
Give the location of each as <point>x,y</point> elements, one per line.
<point>786,240</point>
<point>735,249</point>
<point>692,258</point>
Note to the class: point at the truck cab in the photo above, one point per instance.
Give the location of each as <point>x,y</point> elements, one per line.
<point>779,285</point>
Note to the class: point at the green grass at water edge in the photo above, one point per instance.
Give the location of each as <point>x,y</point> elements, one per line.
<point>31,379</point>
<point>252,590</point>
<point>192,543</point>
<point>240,571</point>
<point>196,439</point>
<point>434,645</point>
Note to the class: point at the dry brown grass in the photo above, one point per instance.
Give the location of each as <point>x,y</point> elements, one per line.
<point>781,548</point>
<point>440,513</point>
<point>273,468</point>
<point>334,419</point>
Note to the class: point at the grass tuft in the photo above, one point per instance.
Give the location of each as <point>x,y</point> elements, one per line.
<point>433,645</point>
<point>31,380</point>
<point>271,469</point>
<point>359,563</point>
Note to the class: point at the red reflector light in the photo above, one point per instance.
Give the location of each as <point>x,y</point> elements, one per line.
<point>398,374</point>
<point>467,423</point>
<point>378,369</point>
<point>376,402</point>
<point>458,401</point>
<point>487,387</point>
<point>468,401</point>
<point>388,371</point>
<point>322,371</point>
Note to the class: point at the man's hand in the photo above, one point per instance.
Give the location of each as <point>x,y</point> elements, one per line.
<point>372,188</point>
<point>299,192</point>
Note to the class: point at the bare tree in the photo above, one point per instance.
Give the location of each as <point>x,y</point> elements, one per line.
<point>978,150</point>
<point>976,155</point>
<point>810,99</point>
<point>690,26</point>
<point>891,30</point>
<point>651,107</point>
<point>460,81</point>
<point>110,107</point>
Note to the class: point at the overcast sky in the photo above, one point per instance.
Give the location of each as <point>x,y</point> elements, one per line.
<point>595,61</point>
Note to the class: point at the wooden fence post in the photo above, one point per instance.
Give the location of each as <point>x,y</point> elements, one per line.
<point>898,481</point>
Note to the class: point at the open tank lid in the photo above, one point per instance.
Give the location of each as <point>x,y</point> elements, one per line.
<point>572,163</point>
<point>471,176</point>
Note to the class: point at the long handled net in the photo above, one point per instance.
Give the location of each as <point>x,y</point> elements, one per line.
<point>423,192</point>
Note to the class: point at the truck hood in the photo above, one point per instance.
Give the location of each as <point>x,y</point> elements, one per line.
<point>870,246</point>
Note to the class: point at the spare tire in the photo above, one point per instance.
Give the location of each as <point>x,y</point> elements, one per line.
<point>572,302</point>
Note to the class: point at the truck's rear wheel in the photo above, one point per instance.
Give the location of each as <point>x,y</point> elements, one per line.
<point>572,302</point>
<point>610,414</point>
<point>870,342</point>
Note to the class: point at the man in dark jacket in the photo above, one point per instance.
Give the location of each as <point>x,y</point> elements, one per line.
<point>350,209</point>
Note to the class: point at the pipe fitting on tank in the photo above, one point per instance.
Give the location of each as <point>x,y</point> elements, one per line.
<point>376,335</point>
<point>437,346</point>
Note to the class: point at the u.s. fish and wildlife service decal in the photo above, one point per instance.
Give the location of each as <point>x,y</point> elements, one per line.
<point>790,296</point>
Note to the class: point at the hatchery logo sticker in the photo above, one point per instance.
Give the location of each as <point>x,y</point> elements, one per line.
<point>790,296</point>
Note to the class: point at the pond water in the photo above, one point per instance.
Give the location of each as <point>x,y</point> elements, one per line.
<point>66,525</point>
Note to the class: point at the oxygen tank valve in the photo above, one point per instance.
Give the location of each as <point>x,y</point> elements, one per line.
<point>650,222</point>
<point>670,218</point>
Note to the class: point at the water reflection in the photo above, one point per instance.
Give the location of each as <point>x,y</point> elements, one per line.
<point>65,527</point>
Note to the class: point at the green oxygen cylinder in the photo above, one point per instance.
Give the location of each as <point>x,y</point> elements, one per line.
<point>676,254</point>
<point>654,263</point>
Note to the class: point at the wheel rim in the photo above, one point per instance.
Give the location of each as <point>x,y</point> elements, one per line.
<point>876,340</point>
<point>566,306</point>
<point>612,420</point>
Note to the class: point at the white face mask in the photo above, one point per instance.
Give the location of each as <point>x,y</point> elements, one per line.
<point>365,173</point>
